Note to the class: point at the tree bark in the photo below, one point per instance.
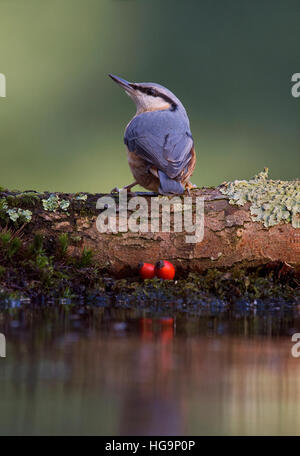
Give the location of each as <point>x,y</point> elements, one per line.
<point>231,237</point>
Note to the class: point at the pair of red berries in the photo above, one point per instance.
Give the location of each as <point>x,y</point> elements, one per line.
<point>163,270</point>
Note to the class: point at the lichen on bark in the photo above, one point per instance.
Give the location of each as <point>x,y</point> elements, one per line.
<point>272,201</point>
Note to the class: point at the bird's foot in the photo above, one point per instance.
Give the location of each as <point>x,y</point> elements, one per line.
<point>189,186</point>
<point>127,187</point>
<point>118,190</point>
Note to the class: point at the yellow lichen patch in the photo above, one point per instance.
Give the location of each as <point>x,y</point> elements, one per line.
<point>272,201</point>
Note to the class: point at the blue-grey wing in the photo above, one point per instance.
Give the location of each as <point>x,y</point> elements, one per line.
<point>161,138</point>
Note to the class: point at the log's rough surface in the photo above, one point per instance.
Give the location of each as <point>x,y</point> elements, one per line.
<point>231,237</point>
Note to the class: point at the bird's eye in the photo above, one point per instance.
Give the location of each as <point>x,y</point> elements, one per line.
<point>151,92</point>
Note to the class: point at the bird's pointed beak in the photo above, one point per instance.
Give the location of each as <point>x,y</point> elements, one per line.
<point>122,82</point>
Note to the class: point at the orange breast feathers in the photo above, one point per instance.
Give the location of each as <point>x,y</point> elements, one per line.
<point>143,174</point>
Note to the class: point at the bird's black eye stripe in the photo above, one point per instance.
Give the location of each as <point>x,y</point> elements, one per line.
<point>155,93</point>
<point>151,92</point>
<point>147,90</point>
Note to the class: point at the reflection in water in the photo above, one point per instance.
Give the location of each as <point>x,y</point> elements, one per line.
<point>84,370</point>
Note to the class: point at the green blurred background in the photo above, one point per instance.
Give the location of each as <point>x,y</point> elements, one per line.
<point>230,62</point>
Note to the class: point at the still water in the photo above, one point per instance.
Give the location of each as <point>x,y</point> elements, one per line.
<point>81,369</point>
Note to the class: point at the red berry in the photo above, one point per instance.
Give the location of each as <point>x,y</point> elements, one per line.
<point>146,270</point>
<point>165,270</point>
<point>168,321</point>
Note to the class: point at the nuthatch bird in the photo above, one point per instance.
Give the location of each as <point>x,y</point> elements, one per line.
<point>159,141</point>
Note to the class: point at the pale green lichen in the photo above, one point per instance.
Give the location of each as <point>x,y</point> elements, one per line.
<point>19,214</point>
<point>64,204</point>
<point>51,204</point>
<point>14,213</point>
<point>272,201</point>
<point>3,204</point>
<point>81,197</point>
<point>25,214</point>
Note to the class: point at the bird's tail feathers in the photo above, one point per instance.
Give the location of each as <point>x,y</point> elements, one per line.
<point>169,186</point>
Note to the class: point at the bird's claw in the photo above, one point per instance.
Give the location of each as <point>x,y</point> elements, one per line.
<point>189,186</point>
<point>118,190</point>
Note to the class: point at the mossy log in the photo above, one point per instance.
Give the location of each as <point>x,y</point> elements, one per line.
<point>231,236</point>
